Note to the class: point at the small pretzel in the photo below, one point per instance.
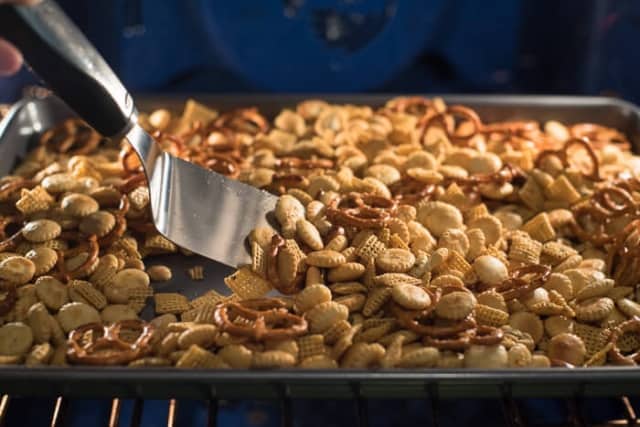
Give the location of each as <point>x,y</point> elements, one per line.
<point>298,163</point>
<point>222,164</point>
<point>600,216</point>
<point>481,335</point>
<point>516,287</point>
<point>616,356</point>
<point>624,205</point>
<point>91,246</point>
<point>460,342</point>
<point>268,319</point>
<point>486,335</point>
<point>449,126</point>
<point>563,155</point>
<point>411,104</point>
<point>599,135</point>
<point>281,182</point>
<point>507,173</point>
<point>108,348</point>
<point>410,319</point>
<point>129,159</point>
<point>239,121</point>
<point>72,137</point>
<point>371,211</point>
<point>139,179</point>
<point>118,231</point>
<point>411,191</point>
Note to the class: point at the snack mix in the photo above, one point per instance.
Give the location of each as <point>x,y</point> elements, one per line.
<point>414,235</point>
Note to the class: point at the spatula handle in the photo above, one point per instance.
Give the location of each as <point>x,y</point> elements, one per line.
<point>61,56</point>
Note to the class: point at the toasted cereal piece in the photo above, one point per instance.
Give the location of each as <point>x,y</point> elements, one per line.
<point>532,195</point>
<point>539,228</point>
<point>311,345</point>
<point>370,248</point>
<point>493,299</point>
<point>271,359</point>
<point>258,260</point>
<point>336,331</point>
<point>247,284</point>
<point>490,316</point>
<point>599,358</point>
<point>117,312</point>
<point>197,357</point>
<point>374,333</point>
<point>209,298</point>
<point>35,200</point>
<point>376,299</point>
<point>525,250</point>
<point>157,243</point>
<point>594,338</point>
<point>554,253</point>
<point>170,303</point>
<point>196,272</point>
<point>562,189</point>
<point>571,262</point>
<point>87,292</point>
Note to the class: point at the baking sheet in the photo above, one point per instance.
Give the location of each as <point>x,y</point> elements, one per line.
<point>20,129</point>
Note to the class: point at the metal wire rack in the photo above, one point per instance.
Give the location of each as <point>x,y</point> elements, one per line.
<point>506,411</point>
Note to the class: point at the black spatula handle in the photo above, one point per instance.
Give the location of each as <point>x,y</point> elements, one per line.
<point>60,55</point>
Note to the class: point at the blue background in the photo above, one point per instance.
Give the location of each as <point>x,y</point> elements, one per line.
<point>521,46</point>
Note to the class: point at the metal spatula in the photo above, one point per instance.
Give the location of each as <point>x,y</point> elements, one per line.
<point>198,209</point>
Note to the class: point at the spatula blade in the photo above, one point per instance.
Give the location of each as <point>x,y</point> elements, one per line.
<point>201,210</point>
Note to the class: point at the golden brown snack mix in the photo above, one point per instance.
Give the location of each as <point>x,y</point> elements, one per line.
<point>413,235</point>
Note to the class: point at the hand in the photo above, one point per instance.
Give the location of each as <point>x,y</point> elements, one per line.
<point>10,57</point>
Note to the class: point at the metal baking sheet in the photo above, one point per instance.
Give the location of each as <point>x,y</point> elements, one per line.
<point>19,131</point>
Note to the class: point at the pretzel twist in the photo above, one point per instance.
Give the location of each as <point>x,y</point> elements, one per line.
<point>261,319</point>
<point>108,348</point>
